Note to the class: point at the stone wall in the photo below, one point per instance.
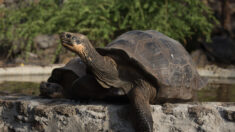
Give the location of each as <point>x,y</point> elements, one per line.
<point>24,113</point>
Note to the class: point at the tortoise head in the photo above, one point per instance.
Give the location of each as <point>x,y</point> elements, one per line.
<point>74,41</point>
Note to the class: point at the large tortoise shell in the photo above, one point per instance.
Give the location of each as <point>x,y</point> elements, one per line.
<point>163,58</point>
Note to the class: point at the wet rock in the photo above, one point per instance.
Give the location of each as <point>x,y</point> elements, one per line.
<point>25,113</point>
<point>229,115</point>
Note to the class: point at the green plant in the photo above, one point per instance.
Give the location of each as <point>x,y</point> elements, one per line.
<point>103,20</point>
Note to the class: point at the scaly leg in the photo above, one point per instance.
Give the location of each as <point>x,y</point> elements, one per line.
<point>141,109</point>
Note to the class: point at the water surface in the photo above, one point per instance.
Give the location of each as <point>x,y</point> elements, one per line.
<point>217,90</point>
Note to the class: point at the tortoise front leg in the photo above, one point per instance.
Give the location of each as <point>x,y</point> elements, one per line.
<point>141,109</point>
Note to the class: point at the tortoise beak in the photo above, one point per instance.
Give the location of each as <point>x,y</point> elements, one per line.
<point>65,38</point>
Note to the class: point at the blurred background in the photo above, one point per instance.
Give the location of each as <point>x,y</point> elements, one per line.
<point>29,29</point>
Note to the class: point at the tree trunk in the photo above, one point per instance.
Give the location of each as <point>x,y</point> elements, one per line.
<point>226,15</point>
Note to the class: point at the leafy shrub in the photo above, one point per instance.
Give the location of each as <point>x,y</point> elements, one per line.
<point>103,20</point>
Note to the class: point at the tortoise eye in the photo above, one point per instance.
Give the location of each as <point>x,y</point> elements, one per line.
<point>74,38</point>
<point>68,35</point>
<point>78,41</point>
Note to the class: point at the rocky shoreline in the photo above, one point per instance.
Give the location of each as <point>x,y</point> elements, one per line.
<point>31,113</point>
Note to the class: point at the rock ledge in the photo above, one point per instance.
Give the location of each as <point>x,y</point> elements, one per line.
<point>27,113</point>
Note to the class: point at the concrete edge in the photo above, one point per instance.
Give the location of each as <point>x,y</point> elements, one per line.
<point>28,70</point>
<point>37,70</point>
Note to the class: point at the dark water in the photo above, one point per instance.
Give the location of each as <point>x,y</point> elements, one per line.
<point>25,88</point>
<point>217,92</point>
<point>222,90</point>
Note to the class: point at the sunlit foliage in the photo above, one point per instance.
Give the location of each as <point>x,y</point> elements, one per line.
<point>103,20</point>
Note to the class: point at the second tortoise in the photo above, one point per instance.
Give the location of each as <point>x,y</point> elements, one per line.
<point>72,81</point>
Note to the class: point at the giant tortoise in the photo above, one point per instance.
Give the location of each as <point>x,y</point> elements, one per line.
<point>147,66</point>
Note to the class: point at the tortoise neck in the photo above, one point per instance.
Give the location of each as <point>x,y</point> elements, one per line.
<point>104,68</point>
<point>91,57</point>
<point>89,54</point>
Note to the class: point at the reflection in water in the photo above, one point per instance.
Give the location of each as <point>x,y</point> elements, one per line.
<point>223,93</point>
<point>222,90</point>
<point>217,92</point>
<point>25,88</point>
<point>24,78</point>
<point>21,84</point>
<point>221,81</point>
